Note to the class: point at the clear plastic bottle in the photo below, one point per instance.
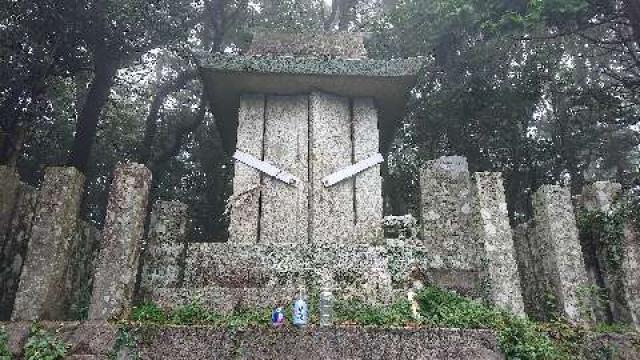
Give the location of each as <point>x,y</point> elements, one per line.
<point>326,307</point>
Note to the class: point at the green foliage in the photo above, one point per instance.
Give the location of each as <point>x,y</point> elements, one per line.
<point>5,352</point>
<point>396,314</point>
<point>518,337</point>
<point>42,345</point>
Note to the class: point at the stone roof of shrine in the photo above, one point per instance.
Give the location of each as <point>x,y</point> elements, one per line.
<point>293,64</point>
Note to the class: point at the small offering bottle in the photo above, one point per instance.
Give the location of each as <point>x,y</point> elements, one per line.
<point>300,311</point>
<point>326,307</point>
<point>277,318</point>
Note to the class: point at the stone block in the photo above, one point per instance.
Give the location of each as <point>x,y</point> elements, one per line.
<point>560,251</point>
<point>530,271</point>
<point>368,184</point>
<point>41,292</point>
<point>163,264</point>
<point>121,242</point>
<point>285,208</point>
<point>13,253</point>
<point>315,44</point>
<point>600,196</point>
<point>332,208</point>
<point>447,214</point>
<point>247,181</point>
<point>499,267</point>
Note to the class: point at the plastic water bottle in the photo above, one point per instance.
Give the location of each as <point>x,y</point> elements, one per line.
<point>326,307</point>
<point>277,318</point>
<point>300,311</point>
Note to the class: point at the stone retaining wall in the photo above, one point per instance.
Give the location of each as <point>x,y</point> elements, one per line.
<point>98,340</point>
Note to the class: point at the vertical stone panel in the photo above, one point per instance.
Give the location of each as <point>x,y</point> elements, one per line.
<point>368,184</point>
<point>285,207</point>
<point>166,244</point>
<point>447,214</point>
<point>9,187</point>
<point>500,270</point>
<point>41,292</point>
<point>15,249</point>
<point>557,240</point>
<point>245,201</point>
<point>630,271</point>
<point>332,217</point>
<point>115,275</point>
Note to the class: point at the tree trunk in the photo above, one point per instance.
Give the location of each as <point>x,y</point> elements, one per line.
<point>87,124</point>
<point>632,12</point>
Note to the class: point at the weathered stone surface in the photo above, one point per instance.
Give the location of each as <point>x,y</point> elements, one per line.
<point>245,201</point>
<point>447,214</point>
<point>80,269</point>
<point>499,267</point>
<point>115,275</point>
<point>366,272</point>
<point>630,271</point>
<point>99,339</point>
<point>322,343</point>
<point>403,227</point>
<point>532,276</point>
<point>10,186</point>
<point>315,44</point>
<point>331,212</point>
<point>285,208</point>
<point>15,249</point>
<point>557,240</point>
<point>600,196</point>
<point>41,292</point>
<point>368,184</point>
<point>163,259</point>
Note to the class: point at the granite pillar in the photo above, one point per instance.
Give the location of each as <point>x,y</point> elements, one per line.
<point>41,292</point>
<point>499,267</point>
<point>368,184</point>
<point>247,181</point>
<point>166,245</point>
<point>15,249</point>
<point>285,208</point>
<point>331,208</point>
<point>117,268</point>
<point>561,254</point>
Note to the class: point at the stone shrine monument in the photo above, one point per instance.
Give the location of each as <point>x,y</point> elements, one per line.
<point>310,114</point>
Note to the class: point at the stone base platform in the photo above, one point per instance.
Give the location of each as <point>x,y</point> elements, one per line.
<point>229,276</point>
<point>99,340</point>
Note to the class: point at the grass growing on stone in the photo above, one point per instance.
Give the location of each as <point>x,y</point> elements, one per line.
<point>518,338</point>
<point>42,345</point>
<point>5,353</point>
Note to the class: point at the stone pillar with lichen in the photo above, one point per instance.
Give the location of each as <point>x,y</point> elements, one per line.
<point>166,244</point>
<point>447,207</point>
<point>499,268</point>
<point>558,244</point>
<point>115,276</point>
<point>618,277</point>
<point>41,294</point>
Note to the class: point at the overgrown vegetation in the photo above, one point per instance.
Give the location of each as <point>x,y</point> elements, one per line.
<point>42,345</point>
<point>5,352</point>
<point>518,338</point>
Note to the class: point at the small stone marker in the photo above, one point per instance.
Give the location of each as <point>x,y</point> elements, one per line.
<point>115,275</point>
<point>41,292</point>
